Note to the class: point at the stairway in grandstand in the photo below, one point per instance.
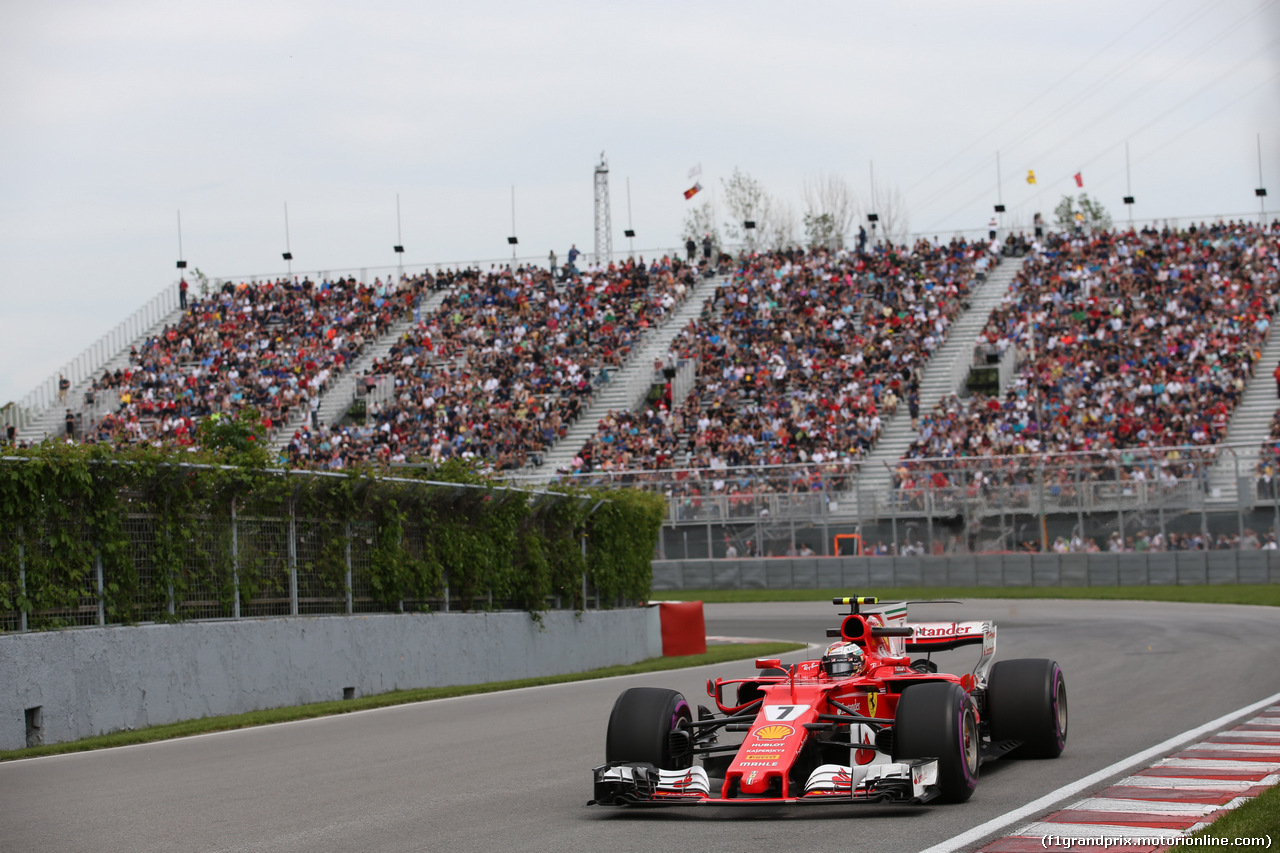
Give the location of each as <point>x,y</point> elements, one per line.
<point>939,379</point>
<point>341,393</point>
<point>627,386</point>
<point>51,422</point>
<point>1249,426</point>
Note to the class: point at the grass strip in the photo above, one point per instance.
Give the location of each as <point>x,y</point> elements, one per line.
<point>1262,594</point>
<point>204,725</point>
<point>1258,818</point>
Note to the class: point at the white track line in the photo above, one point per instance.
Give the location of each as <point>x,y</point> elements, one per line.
<point>1051,799</point>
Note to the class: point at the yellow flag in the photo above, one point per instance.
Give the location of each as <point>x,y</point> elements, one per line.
<point>1031,176</point>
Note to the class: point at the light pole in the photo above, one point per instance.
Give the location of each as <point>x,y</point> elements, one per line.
<point>288,250</point>
<point>512,241</point>
<point>1128,187</point>
<point>399,246</point>
<point>1261,191</point>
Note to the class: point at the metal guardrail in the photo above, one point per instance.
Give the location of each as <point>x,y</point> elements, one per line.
<point>981,570</point>
<point>976,504</point>
<point>22,413</point>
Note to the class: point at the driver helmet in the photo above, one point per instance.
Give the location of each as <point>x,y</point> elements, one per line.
<point>842,659</point>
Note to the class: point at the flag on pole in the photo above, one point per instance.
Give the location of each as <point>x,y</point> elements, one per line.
<point>695,171</point>
<point>693,190</point>
<point>1079,180</point>
<point>1031,176</point>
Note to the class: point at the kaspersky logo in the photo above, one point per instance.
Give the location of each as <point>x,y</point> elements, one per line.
<point>777,731</point>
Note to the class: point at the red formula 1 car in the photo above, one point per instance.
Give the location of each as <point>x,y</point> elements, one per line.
<point>865,724</point>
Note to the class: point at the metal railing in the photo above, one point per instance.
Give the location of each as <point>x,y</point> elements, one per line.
<point>1196,497</point>
<point>362,273</point>
<point>85,365</point>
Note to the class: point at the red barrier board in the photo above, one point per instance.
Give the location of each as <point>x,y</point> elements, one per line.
<point>684,631</point>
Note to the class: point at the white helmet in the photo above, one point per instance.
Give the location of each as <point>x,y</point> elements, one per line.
<point>842,659</point>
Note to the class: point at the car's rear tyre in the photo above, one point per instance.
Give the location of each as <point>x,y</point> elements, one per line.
<point>937,720</point>
<point>1027,701</point>
<point>640,725</point>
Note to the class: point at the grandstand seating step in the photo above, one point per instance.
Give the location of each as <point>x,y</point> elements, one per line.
<point>936,382</point>
<point>336,400</point>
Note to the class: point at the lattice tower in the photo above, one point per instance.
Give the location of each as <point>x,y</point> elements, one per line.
<point>604,220</point>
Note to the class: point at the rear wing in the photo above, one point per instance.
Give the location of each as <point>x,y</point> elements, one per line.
<point>942,636</point>
<point>885,623</point>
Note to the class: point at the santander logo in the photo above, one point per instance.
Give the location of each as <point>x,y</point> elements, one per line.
<point>952,630</point>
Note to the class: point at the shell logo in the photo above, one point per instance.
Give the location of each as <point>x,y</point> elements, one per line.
<point>775,732</point>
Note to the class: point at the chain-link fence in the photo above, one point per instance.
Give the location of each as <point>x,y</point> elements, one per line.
<point>289,550</point>
<point>239,568</point>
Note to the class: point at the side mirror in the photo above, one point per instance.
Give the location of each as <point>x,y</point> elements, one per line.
<point>769,663</point>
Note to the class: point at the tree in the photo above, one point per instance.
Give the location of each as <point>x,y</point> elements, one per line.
<point>746,200</point>
<point>203,279</point>
<point>889,204</point>
<point>830,210</point>
<point>700,221</point>
<point>774,218</point>
<point>777,224</point>
<point>240,439</point>
<point>1082,212</point>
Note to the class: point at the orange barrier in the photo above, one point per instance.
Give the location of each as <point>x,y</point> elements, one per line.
<point>857,544</point>
<point>684,631</point>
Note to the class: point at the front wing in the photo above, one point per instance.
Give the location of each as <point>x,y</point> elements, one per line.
<point>638,784</point>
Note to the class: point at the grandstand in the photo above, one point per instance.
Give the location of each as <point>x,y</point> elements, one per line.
<point>1214,480</point>
<point>770,398</point>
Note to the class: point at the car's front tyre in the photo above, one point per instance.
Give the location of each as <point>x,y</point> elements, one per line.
<point>937,720</point>
<point>641,724</point>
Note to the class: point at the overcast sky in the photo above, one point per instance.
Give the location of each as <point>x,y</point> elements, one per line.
<point>116,115</point>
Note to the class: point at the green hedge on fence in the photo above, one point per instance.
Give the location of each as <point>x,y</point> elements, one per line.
<point>94,536</point>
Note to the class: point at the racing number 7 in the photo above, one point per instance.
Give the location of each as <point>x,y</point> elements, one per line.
<point>779,713</point>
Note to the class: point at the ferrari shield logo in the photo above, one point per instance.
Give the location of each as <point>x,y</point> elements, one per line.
<point>873,699</point>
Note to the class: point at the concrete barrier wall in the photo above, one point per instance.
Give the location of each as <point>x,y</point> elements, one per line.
<point>1048,570</point>
<point>96,680</point>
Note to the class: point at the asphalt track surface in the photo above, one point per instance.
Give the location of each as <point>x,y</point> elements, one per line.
<point>511,771</point>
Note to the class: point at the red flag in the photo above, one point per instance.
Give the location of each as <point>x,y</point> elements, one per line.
<point>693,190</point>
<point>1079,180</point>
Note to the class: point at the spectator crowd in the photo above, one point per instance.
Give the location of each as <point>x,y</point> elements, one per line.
<point>800,355</point>
<point>1132,349</point>
<point>273,346</point>
<point>502,368</point>
<point>1124,340</point>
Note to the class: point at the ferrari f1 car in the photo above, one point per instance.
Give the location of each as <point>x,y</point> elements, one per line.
<point>865,724</point>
